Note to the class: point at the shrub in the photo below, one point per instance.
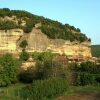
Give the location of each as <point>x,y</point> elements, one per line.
<point>42,56</point>
<point>49,69</point>
<point>35,55</point>
<point>24,56</point>
<point>27,76</point>
<point>85,79</point>
<point>41,89</point>
<point>23,44</point>
<point>29,26</point>
<point>86,73</point>
<point>6,25</point>
<point>9,69</point>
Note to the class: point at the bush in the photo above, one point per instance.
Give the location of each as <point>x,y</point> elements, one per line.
<point>86,73</point>
<point>29,26</point>
<point>41,89</point>
<point>23,44</point>
<point>49,69</point>
<point>97,78</point>
<point>27,76</point>
<point>24,56</point>
<point>9,69</point>
<point>6,25</point>
<point>85,79</point>
<point>44,56</point>
<point>35,55</point>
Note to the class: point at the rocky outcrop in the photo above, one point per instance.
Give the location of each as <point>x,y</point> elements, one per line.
<point>37,41</point>
<point>8,40</point>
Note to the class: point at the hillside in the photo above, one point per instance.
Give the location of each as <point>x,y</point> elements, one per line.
<point>95,50</point>
<point>11,19</point>
<point>41,34</point>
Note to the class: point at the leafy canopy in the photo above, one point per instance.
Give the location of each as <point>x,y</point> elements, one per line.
<point>9,69</point>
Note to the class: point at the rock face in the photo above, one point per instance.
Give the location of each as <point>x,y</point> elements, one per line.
<point>37,41</point>
<point>8,40</point>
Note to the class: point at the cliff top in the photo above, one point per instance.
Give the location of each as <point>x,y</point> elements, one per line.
<point>12,19</point>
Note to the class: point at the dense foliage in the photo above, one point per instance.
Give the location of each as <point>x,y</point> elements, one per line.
<point>95,50</point>
<point>29,26</point>
<point>86,73</point>
<point>63,33</point>
<point>9,69</point>
<point>53,29</point>
<point>49,69</point>
<point>43,56</point>
<point>23,44</point>
<point>5,25</point>
<point>24,56</point>
<point>44,70</point>
<point>43,89</point>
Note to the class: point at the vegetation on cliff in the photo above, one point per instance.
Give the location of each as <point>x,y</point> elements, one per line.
<point>6,25</point>
<point>95,50</point>
<point>53,29</point>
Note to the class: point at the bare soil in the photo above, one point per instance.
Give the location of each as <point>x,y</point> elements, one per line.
<point>90,96</point>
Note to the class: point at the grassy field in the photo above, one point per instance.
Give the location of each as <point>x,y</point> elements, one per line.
<point>11,92</point>
<point>95,50</point>
<point>75,93</point>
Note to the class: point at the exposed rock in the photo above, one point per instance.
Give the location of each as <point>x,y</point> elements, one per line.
<point>8,40</point>
<point>37,41</point>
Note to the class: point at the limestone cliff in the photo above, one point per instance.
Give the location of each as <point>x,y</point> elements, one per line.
<point>42,34</point>
<point>37,41</point>
<point>8,40</point>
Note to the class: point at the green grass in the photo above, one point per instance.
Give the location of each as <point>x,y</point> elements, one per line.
<point>85,89</point>
<point>11,92</point>
<point>95,49</point>
<point>80,91</point>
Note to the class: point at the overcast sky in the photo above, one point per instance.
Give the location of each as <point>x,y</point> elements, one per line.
<point>83,14</point>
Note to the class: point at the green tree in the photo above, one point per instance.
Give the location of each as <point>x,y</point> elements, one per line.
<point>49,69</point>
<point>42,56</point>
<point>35,55</point>
<point>23,44</point>
<point>9,69</point>
<point>24,55</point>
<point>29,26</point>
<point>6,25</point>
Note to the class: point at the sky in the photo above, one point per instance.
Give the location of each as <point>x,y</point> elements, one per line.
<point>83,14</point>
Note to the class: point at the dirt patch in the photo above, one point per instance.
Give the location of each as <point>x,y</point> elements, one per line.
<point>90,96</point>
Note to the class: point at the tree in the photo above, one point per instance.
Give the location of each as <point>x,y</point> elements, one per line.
<point>9,69</point>
<point>42,56</point>
<point>35,55</point>
<point>6,25</point>
<point>23,44</point>
<point>24,55</point>
<point>29,26</point>
<point>49,69</point>
<point>78,30</point>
